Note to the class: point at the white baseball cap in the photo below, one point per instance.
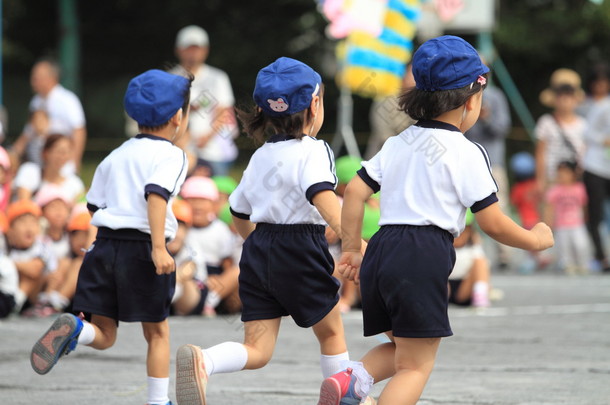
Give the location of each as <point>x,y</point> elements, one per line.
<point>192,35</point>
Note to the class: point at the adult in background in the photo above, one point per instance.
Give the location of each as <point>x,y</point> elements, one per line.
<point>490,131</point>
<point>596,162</point>
<point>63,108</point>
<point>212,125</point>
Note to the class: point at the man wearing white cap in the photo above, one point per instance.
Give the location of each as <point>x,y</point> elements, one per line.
<point>211,124</point>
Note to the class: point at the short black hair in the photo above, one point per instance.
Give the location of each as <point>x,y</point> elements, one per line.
<point>426,105</point>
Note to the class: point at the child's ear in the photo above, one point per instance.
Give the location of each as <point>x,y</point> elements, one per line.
<point>177,118</point>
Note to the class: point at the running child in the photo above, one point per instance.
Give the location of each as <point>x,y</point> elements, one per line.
<point>428,176</point>
<point>285,198</point>
<point>130,198</point>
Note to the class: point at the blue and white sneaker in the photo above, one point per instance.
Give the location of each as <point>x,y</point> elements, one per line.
<point>60,339</point>
<point>339,389</point>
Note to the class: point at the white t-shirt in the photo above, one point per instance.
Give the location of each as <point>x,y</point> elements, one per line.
<point>214,242</point>
<point>464,259</point>
<point>60,248</point>
<point>428,175</point>
<point>9,276</point>
<point>38,250</point>
<point>29,177</point>
<point>281,179</point>
<point>548,130</point>
<point>188,254</point>
<point>211,90</point>
<point>141,165</point>
<point>63,108</point>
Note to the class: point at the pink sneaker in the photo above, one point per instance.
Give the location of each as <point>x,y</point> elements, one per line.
<point>191,376</point>
<point>338,389</point>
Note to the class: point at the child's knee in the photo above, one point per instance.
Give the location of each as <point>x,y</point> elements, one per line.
<point>155,333</point>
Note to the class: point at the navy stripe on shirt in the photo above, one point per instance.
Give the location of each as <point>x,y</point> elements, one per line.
<point>92,207</point>
<point>484,152</point>
<point>316,188</point>
<point>239,215</point>
<point>484,203</point>
<point>368,180</point>
<point>156,189</point>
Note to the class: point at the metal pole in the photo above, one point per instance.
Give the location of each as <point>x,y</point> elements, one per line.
<point>345,131</point>
<point>69,46</point>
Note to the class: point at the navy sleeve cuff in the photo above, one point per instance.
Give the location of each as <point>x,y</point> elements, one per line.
<point>368,180</point>
<point>92,207</point>
<point>484,203</point>
<point>316,188</point>
<point>156,189</point>
<point>239,215</point>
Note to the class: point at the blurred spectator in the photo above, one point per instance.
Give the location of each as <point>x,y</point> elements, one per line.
<point>5,179</point>
<point>25,247</point>
<point>56,208</point>
<point>560,134</point>
<point>469,280</point>
<point>212,124</point>
<point>490,131</point>
<point>596,163</point>
<point>30,177</point>
<point>524,195</point>
<point>211,239</point>
<point>28,147</point>
<point>566,202</point>
<point>387,119</point>
<point>9,277</point>
<point>597,88</point>
<point>65,112</point>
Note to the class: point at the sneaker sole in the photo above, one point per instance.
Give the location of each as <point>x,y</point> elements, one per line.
<point>190,384</point>
<point>330,392</point>
<point>52,345</point>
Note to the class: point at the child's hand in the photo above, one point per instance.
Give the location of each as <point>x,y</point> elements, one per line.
<point>349,266</point>
<point>544,235</point>
<point>164,262</point>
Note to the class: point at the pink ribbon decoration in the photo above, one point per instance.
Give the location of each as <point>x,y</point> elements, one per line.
<point>481,80</point>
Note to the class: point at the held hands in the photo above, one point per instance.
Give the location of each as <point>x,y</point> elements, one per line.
<point>544,235</point>
<point>349,264</point>
<point>164,262</point>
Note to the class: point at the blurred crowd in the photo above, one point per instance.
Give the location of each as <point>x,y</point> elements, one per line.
<point>564,180</point>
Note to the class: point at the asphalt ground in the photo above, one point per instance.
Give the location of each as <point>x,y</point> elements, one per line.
<point>546,342</point>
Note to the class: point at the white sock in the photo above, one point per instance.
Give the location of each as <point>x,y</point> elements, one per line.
<point>332,364</point>
<point>87,334</point>
<point>481,287</point>
<point>157,390</point>
<point>178,291</point>
<point>213,299</point>
<point>58,301</point>
<point>226,357</point>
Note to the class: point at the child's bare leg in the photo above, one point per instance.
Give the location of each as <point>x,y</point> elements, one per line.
<point>259,340</point>
<point>330,333</point>
<point>414,361</point>
<point>191,294</point>
<point>225,283</point>
<point>105,332</point>
<point>68,287</point>
<point>379,361</point>
<point>157,358</point>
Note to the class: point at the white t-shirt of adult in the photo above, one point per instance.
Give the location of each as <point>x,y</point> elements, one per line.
<point>64,109</point>
<point>213,242</point>
<point>597,155</point>
<point>557,150</point>
<point>211,90</point>
<point>29,177</point>
<point>281,180</point>
<point>123,180</point>
<point>428,175</point>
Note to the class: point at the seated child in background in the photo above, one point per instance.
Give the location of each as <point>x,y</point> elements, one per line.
<point>565,210</point>
<point>34,261</point>
<point>469,280</point>
<point>61,284</point>
<point>56,208</point>
<point>212,239</point>
<point>191,273</point>
<point>9,277</point>
<point>30,143</point>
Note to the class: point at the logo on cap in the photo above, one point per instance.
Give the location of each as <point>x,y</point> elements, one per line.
<point>278,105</point>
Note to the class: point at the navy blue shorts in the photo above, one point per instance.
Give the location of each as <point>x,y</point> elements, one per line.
<point>117,279</point>
<point>403,281</point>
<point>287,270</point>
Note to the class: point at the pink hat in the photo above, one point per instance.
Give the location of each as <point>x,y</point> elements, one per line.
<point>199,187</point>
<point>5,160</point>
<point>51,192</point>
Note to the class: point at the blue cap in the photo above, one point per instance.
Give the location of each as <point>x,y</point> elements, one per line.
<point>153,97</point>
<point>285,87</point>
<point>446,63</point>
<point>523,164</point>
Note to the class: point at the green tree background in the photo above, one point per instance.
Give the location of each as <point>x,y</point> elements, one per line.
<point>122,38</point>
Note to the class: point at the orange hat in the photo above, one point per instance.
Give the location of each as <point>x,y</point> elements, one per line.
<point>183,212</point>
<point>22,207</point>
<point>79,222</point>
